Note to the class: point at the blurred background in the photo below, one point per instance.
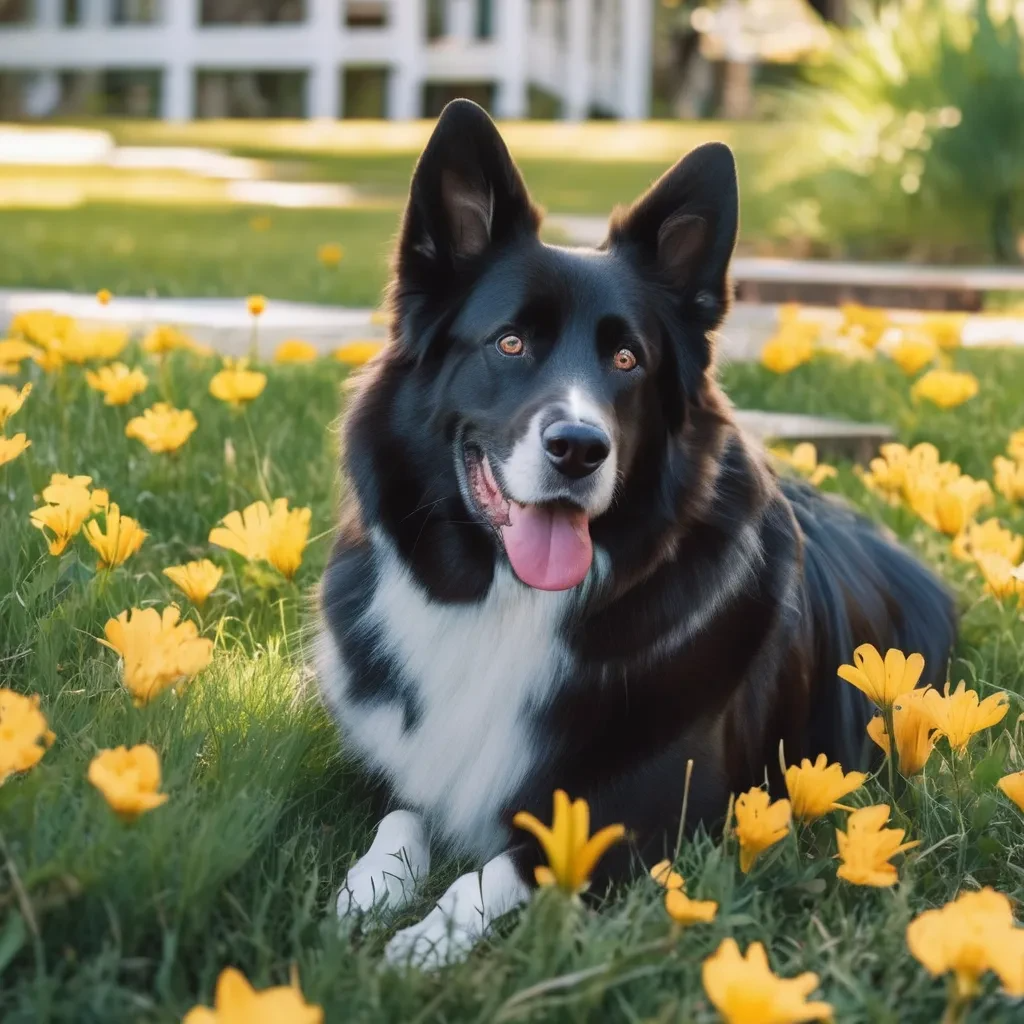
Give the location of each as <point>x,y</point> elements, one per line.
<point>211,147</point>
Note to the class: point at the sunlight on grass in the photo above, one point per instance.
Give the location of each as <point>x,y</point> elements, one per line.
<point>240,865</point>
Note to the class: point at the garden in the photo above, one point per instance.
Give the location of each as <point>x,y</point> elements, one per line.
<point>176,816</point>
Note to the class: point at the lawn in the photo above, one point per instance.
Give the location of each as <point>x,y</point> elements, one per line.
<point>102,921</point>
<point>85,228</point>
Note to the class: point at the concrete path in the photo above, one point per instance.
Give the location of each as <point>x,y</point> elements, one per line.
<point>223,323</point>
<point>227,326</point>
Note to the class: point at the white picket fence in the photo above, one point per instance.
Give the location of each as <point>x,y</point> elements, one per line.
<point>584,52</point>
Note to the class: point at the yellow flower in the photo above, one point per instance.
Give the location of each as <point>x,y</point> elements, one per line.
<point>246,532</point>
<point>237,1002</point>
<point>81,345</point>
<point>759,824</point>
<point>814,788</point>
<point>69,504</point>
<point>866,847</point>
<point>945,328</point>
<point>663,874</point>
<point>1009,477</point>
<point>62,521</point>
<point>277,535</point>
<point>914,728</point>
<point>164,338</point>
<point>571,851</point>
<point>289,531</point>
<point>103,297</point>
<point>1015,446</point>
<point>685,911</point>
<point>237,384</point>
<point>12,447</point>
<point>804,459</point>
<point>157,651</point>
<point>945,503</point>
<point>260,223</point>
<point>128,779</point>
<point>866,322</point>
<point>119,384</point>
<point>1013,787</point>
<point>295,350</point>
<point>41,326</point>
<point>24,735</point>
<point>14,350</point>
<point>256,304</point>
<point>959,715</point>
<point>745,991</point>
<point>883,682</point>
<point>913,352</point>
<point>162,428</point>
<point>198,580</point>
<point>355,353</point>
<point>74,490</point>
<point>11,400</point>
<point>1003,579</point>
<point>791,347</point>
<point>680,907</point>
<point>967,937</point>
<point>988,538</point>
<point>946,388</point>
<point>120,538</point>
<point>330,254</point>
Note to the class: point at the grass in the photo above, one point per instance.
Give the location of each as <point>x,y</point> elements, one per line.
<point>87,228</point>
<point>102,922</point>
<point>197,251</point>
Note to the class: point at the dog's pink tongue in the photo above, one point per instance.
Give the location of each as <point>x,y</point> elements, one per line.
<point>549,547</point>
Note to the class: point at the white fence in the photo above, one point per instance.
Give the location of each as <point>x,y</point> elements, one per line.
<point>585,53</point>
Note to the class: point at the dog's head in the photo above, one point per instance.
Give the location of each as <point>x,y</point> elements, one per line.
<point>551,374</point>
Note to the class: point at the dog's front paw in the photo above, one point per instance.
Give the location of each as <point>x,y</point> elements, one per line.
<point>387,875</point>
<point>447,934</point>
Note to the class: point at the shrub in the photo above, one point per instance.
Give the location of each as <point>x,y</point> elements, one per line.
<point>914,127</point>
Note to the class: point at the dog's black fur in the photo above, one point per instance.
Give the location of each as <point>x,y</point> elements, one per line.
<point>721,601</point>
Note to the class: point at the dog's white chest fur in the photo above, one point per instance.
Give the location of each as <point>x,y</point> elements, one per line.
<point>477,672</point>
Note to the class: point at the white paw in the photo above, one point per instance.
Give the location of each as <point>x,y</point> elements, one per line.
<point>388,873</point>
<point>461,918</point>
<point>447,934</point>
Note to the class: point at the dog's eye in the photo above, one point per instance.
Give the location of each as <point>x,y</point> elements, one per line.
<point>624,359</point>
<point>510,345</point>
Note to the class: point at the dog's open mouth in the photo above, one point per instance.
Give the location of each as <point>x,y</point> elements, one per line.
<point>548,544</point>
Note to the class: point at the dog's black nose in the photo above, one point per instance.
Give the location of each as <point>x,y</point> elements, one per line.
<point>575,449</point>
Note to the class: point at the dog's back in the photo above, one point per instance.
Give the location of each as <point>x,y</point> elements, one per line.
<point>861,587</point>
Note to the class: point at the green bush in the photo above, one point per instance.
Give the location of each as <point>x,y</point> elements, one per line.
<point>914,134</point>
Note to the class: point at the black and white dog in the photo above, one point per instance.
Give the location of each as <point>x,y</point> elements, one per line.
<point>561,564</point>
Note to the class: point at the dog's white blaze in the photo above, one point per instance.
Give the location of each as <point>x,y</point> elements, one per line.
<point>526,468</point>
<point>527,473</point>
<point>585,410</point>
<point>476,672</point>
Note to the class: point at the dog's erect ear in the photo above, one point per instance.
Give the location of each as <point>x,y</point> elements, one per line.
<point>682,230</point>
<point>467,195</point>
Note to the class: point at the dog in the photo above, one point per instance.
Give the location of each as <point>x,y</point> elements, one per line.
<point>561,565</point>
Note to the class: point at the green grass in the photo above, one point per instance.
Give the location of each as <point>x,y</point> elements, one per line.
<point>88,228</point>
<point>102,922</point>
<point>197,251</point>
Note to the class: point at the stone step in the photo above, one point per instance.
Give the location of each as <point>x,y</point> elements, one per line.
<point>834,439</point>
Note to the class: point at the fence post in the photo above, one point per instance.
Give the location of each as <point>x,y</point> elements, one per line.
<point>178,94</point>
